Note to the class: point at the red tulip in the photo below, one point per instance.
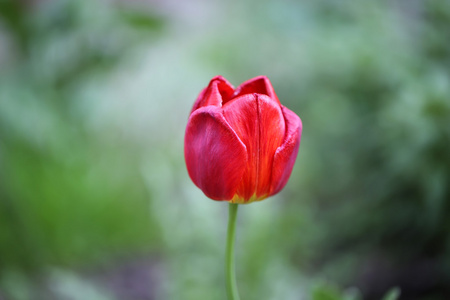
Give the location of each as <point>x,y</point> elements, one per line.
<point>241,144</point>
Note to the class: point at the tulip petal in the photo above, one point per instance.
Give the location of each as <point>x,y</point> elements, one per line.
<point>258,121</point>
<point>259,85</point>
<point>286,154</point>
<point>215,157</point>
<point>218,91</point>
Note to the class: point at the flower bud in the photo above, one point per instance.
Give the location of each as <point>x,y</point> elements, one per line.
<point>241,144</point>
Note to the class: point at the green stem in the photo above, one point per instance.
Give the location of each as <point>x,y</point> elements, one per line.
<point>230,273</point>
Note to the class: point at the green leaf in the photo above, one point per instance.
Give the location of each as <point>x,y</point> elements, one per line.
<point>392,294</point>
<point>326,292</point>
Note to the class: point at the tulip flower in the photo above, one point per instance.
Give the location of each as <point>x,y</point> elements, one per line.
<point>241,144</point>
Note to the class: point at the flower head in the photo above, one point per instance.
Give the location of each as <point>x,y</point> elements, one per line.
<point>241,144</point>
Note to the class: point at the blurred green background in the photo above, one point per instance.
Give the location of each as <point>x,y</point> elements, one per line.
<point>95,200</point>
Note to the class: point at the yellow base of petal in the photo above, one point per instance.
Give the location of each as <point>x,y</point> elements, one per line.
<point>253,198</point>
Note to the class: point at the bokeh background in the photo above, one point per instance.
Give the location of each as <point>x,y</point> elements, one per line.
<point>95,200</point>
